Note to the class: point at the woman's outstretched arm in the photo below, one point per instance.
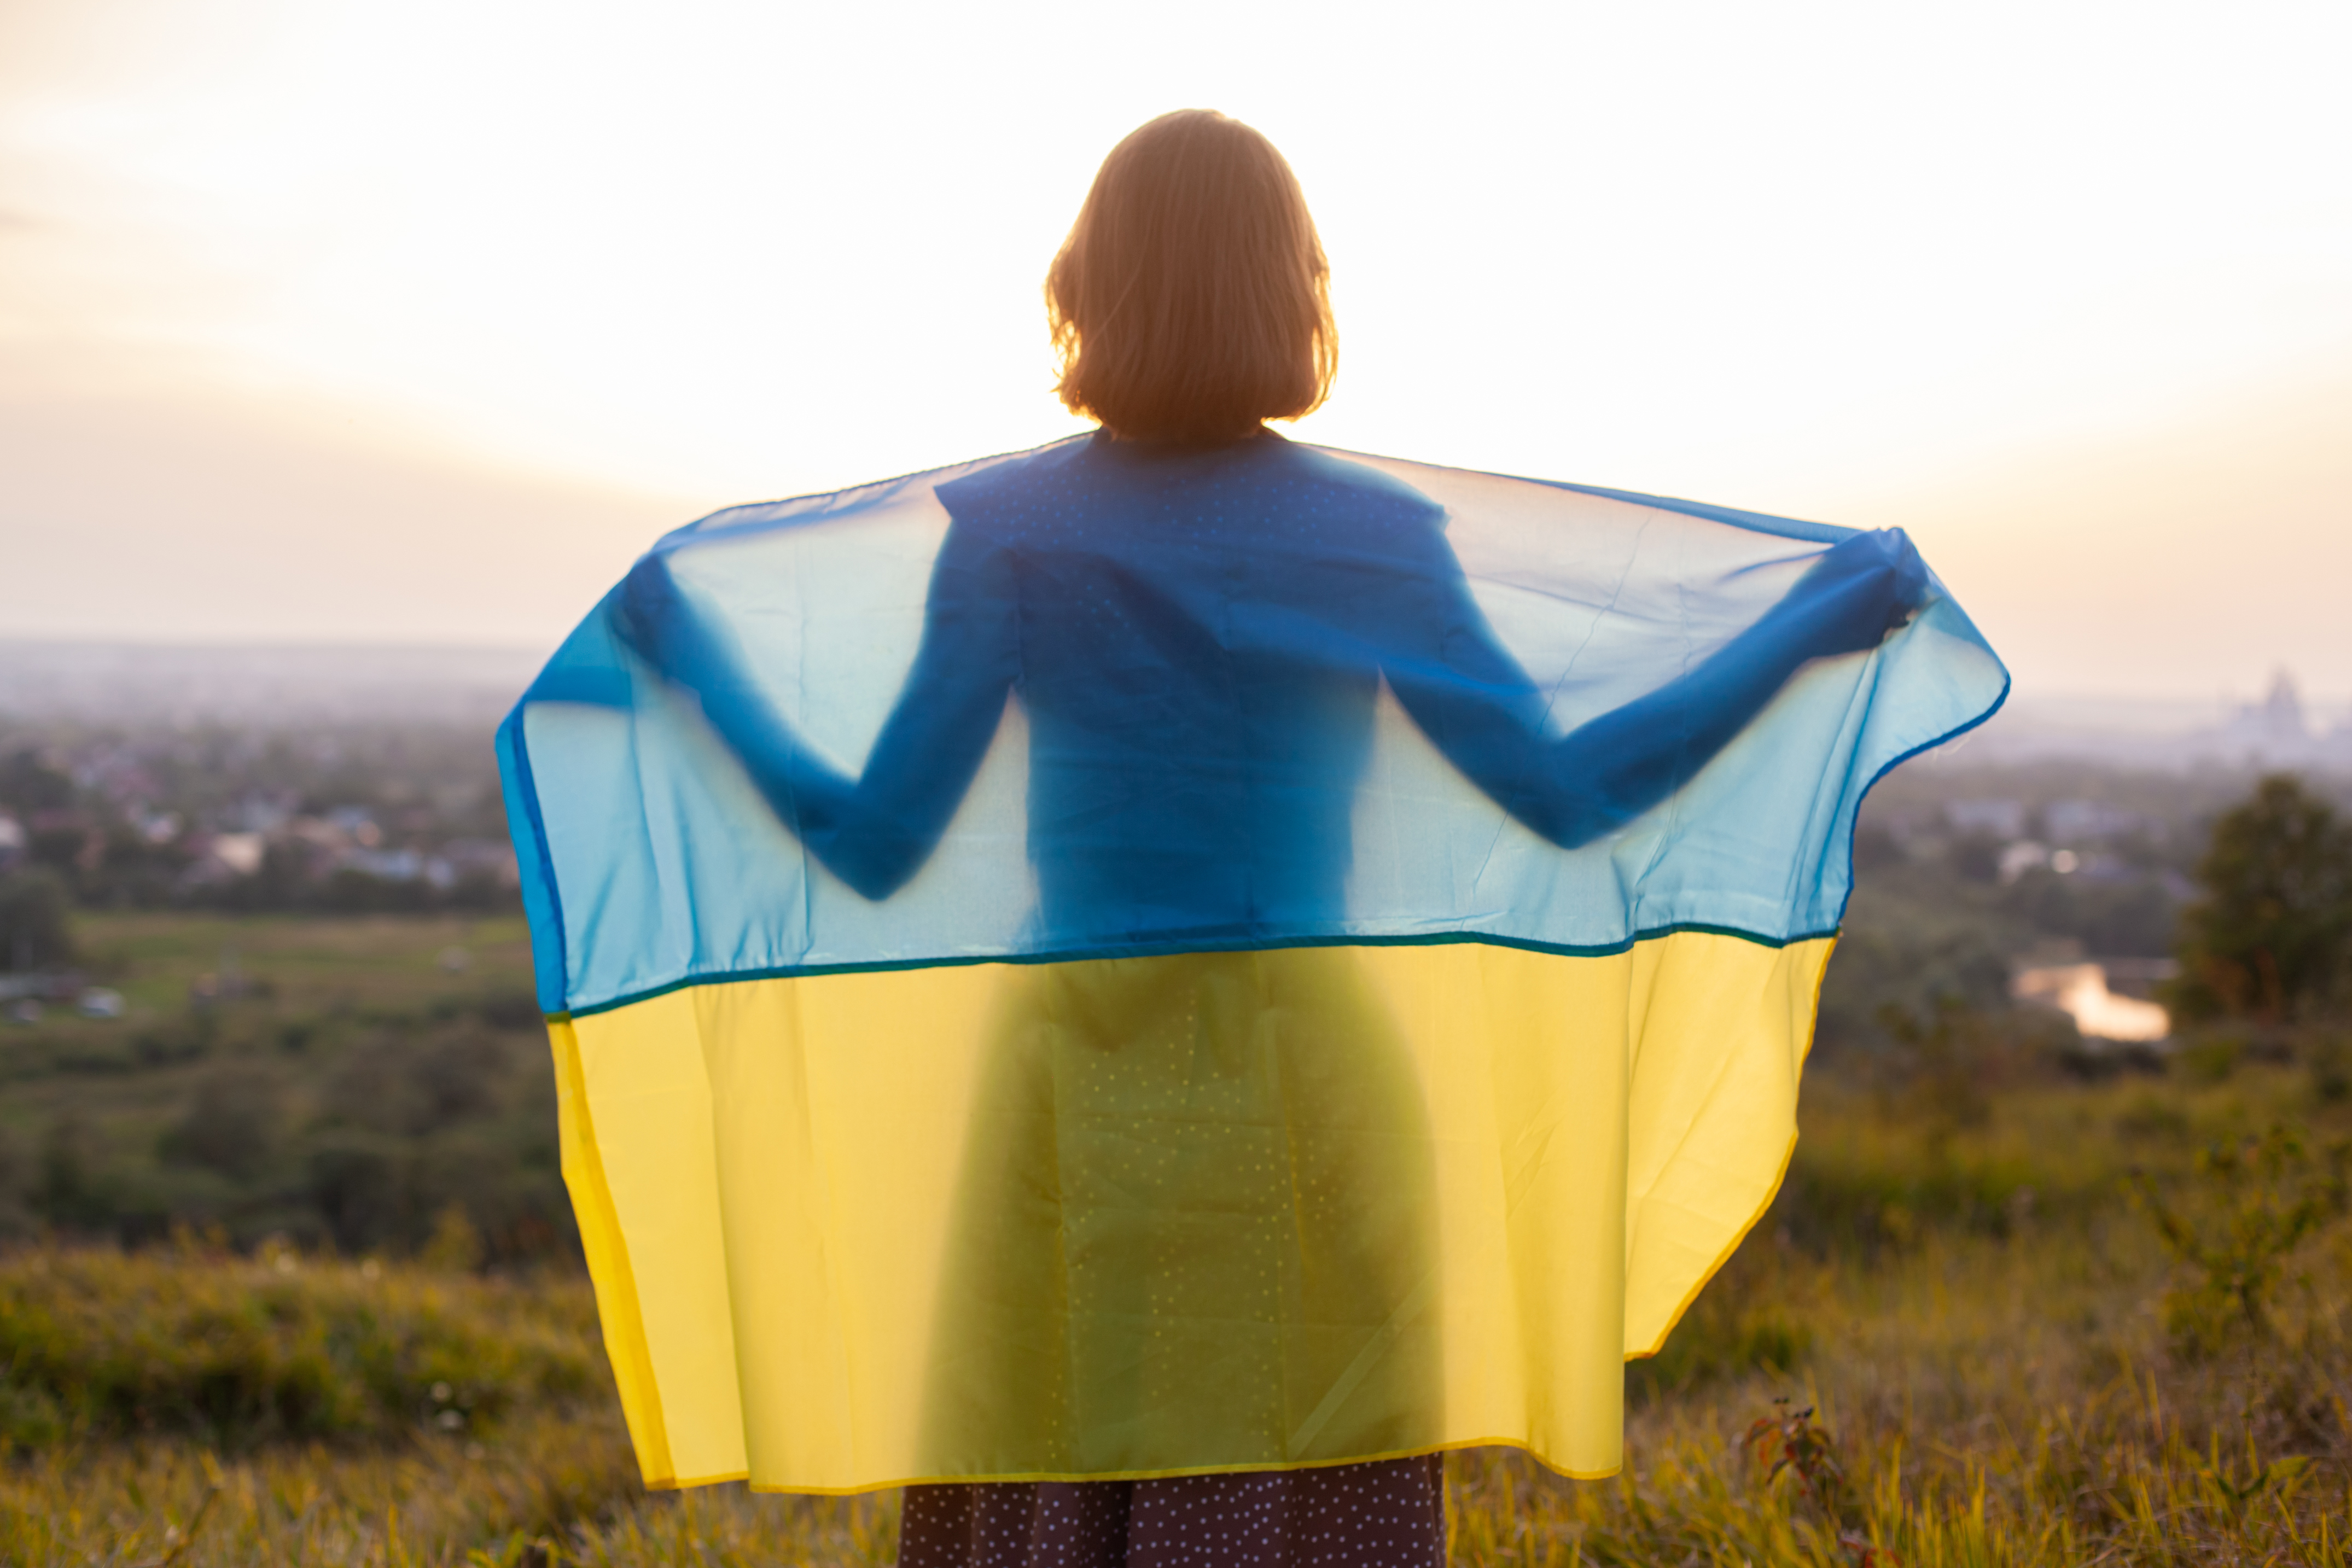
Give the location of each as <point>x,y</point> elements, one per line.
<point>1484,714</point>
<point>875,830</point>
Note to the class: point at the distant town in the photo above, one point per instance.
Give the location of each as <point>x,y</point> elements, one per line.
<point>256,779</point>
<point>145,820</point>
<point>2039,862</point>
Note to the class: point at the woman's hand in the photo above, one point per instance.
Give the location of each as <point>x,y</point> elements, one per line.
<point>652,621</point>
<point>1863,588</point>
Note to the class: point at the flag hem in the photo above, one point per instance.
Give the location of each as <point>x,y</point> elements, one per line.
<point>1178,946</point>
<point>1022,1476</point>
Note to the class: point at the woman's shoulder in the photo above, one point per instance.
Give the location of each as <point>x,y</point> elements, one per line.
<point>1011,481</point>
<point>1282,484</point>
<point>1336,479</point>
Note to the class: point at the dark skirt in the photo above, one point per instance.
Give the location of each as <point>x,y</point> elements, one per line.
<point>1388,1514</point>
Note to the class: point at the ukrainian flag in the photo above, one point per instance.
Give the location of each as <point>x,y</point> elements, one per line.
<point>1121,961</point>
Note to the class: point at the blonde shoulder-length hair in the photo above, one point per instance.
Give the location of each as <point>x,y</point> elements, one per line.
<point>1191,300</point>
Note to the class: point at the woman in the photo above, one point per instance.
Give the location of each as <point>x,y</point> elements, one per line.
<point>1195,789</point>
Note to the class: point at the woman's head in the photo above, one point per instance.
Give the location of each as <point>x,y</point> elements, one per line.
<point>1191,299</point>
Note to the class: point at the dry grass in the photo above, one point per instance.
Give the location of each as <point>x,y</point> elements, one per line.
<point>547,1490</point>
<point>242,1351</point>
<point>1993,1402</point>
<point>1978,1315</point>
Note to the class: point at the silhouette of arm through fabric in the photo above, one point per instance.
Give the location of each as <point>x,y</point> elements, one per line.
<point>875,830</point>
<point>1461,688</point>
<point>1484,714</point>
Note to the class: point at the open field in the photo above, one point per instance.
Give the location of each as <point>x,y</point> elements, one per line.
<point>336,1082</point>
<point>2009,1361</point>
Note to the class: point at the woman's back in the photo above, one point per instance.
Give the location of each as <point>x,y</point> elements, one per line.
<point>1197,638</point>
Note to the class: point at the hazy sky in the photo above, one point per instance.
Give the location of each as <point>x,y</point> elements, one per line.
<point>416,321</point>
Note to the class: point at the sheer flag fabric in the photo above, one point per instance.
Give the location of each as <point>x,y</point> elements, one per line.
<point>1119,960</point>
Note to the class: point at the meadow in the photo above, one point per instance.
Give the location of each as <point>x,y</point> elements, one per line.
<point>2009,1309</point>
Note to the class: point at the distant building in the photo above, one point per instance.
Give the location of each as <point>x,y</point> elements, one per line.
<point>390,865</point>
<point>2284,728</point>
<point>2088,821</point>
<point>240,853</point>
<point>2276,720</point>
<point>484,858</point>
<point>2275,732</point>
<point>222,858</point>
<point>2021,856</point>
<point>2000,818</point>
<point>355,823</point>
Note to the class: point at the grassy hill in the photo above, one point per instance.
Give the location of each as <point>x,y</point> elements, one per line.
<point>287,1271</point>
<point>2003,1358</point>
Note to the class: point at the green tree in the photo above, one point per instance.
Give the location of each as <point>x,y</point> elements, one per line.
<point>31,782</point>
<point>35,914</point>
<point>232,1126</point>
<point>75,1187</point>
<point>2271,935</point>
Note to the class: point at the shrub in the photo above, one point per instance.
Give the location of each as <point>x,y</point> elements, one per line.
<point>2257,1200</point>
<point>232,1127</point>
<point>1947,1059</point>
<point>1729,1331</point>
<point>357,1182</point>
<point>417,1082</point>
<point>456,1247</point>
<point>36,920</point>
<point>2329,1060</point>
<point>2211,1060</point>
<point>74,1187</point>
<point>240,1350</point>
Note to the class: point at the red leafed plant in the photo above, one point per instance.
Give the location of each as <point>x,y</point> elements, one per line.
<point>1788,1441</point>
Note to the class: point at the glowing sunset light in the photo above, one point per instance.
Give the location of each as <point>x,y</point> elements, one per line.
<point>2080,991</point>
<point>361,322</point>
